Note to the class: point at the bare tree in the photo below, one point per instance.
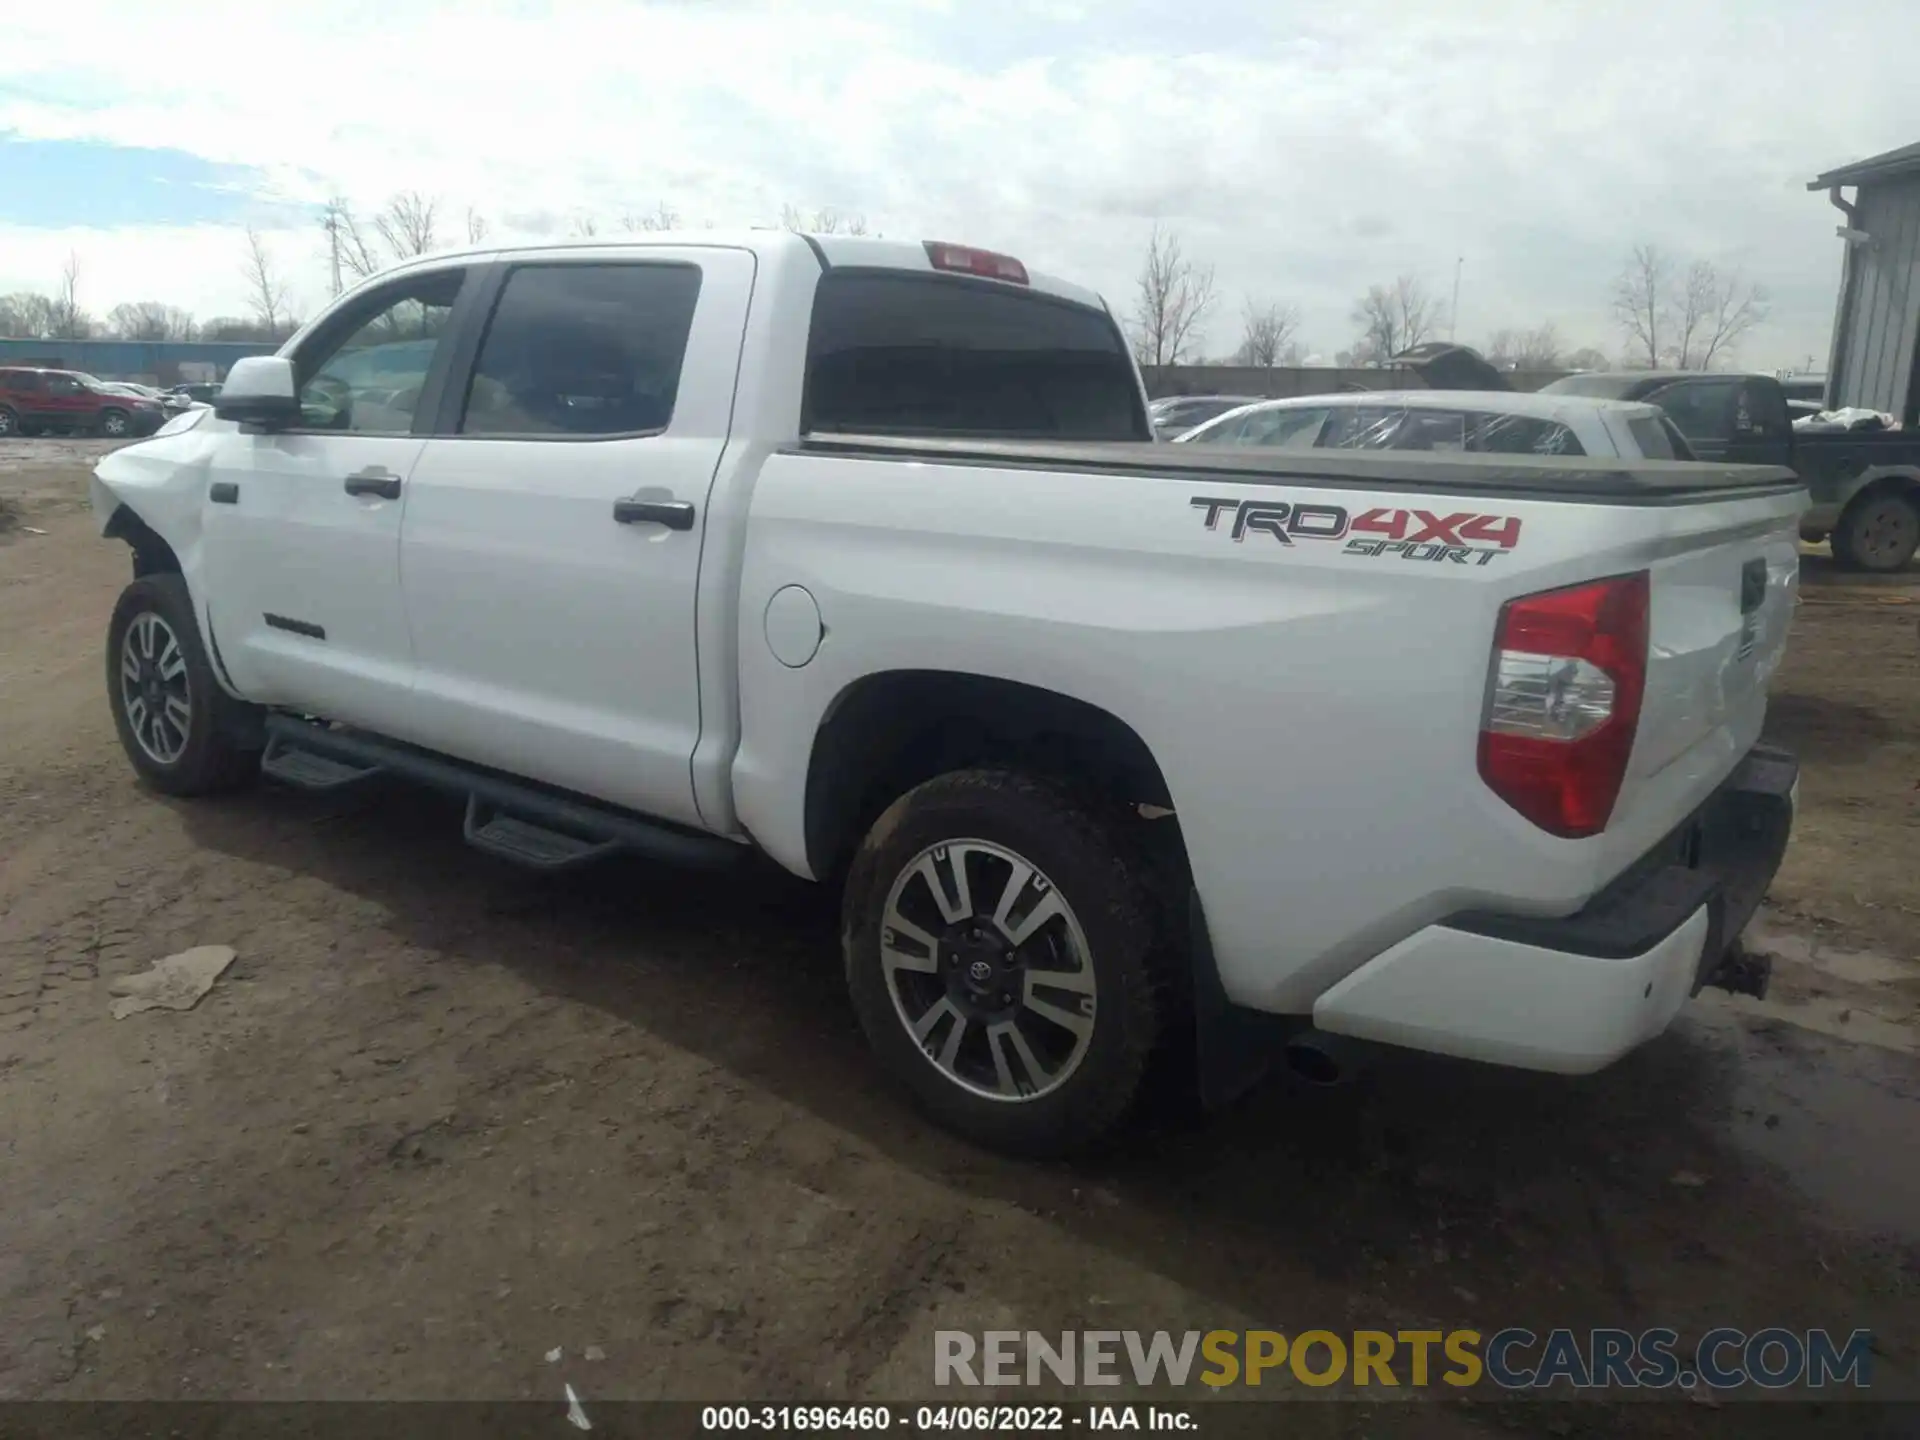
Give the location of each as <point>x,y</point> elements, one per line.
<point>1171,298</point>
<point>585,227</point>
<point>824,221</point>
<point>662,217</point>
<point>151,320</point>
<point>69,321</point>
<point>407,224</point>
<point>1587,358</point>
<point>27,315</point>
<point>1642,305</point>
<point>1535,349</point>
<point>350,253</point>
<point>476,226</point>
<point>1716,310</point>
<point>1393,318</point>
<point>1267,335</point>
<point>1683,319</point>
<point>266,291</point>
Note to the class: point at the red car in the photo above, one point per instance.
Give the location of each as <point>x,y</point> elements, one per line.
<point>33,400</point>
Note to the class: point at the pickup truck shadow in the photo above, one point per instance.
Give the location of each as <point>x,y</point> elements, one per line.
<point>1449,1193</point>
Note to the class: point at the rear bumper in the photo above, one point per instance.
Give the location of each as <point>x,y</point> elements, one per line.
<point>1576,992</point>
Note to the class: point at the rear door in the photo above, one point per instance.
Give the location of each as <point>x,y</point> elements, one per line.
<point>554,522</point>
<point>68,403</point>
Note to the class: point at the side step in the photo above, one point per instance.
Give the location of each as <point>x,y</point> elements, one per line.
<point>510,818</point>
<point>527,843</point>
<point>305,769</point>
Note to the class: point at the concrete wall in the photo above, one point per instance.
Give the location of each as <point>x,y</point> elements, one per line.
<point>1876,336</point>
<point>157,362</point>
<point>1283,382</point>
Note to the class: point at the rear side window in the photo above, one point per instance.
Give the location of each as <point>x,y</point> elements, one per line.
<point>1651,436</point>
<point>22,380</point>
<point>1364,427</point>
<point>1433,430</point>
<point>1522,435</point>
<point>583,351</point>
<point>898,353</point>
<point>1703,410</point>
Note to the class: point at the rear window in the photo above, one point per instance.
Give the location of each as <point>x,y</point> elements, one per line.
<point>897,353</point>
<point>1651,436</point>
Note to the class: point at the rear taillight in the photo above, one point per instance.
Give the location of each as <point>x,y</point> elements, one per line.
<point>1563,702</point>
<point>965,260</point>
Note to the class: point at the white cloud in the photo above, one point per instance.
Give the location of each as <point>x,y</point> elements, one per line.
<point>1307,151</point>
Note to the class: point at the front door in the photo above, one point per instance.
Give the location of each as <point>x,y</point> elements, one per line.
<point>554,525</point>
<point>301,540</point>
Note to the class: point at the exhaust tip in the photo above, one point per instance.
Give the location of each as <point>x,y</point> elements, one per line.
<point>1314,1062</point>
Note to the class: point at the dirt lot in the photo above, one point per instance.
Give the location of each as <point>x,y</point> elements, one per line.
<point>440,1117</point>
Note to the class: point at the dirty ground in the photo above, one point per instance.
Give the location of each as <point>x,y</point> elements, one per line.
<point>440,1118</point>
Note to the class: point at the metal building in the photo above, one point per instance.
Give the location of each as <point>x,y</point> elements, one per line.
<point>1876,329</point>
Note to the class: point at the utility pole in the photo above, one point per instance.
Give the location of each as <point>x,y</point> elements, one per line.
<point>1453,314</point>
<point>332,227</point>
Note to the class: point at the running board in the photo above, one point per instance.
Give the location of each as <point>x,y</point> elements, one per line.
<point>505,817</point>
<point>309,770</point>
<point>527,843</point>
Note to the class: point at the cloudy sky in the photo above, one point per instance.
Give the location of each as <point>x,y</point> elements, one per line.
<point>1306,150</point>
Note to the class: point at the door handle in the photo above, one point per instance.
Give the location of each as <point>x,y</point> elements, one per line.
<point>674,514</point>
<point>224,492</point>
<point>374,482</point>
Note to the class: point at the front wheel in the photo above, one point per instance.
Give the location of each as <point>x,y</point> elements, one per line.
<point>1879,532</point>
<point>178,727</point>
<point>1002,958</point>
<point>115,423</point>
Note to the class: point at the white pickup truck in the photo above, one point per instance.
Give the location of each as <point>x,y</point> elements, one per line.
<point>857,552</point>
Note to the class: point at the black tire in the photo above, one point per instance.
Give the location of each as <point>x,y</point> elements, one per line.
<point>212,753</point>
<point>115,424</point>
<point>1083,858</point>
<point>1878,532</point>
<point>9,423</point>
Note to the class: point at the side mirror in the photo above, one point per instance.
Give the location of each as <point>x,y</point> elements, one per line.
<point>259,391</point>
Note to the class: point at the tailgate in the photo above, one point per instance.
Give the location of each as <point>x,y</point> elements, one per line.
<point>1724,581</point>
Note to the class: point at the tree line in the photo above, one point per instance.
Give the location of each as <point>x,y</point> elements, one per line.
<point>354,247</point>
<point>1671,315</point>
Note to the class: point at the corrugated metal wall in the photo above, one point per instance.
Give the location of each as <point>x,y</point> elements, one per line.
<point>1879,321</point>
<point>167,362</point>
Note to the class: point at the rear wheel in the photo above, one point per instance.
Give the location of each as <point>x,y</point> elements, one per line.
<point>9,423</point>
<point>179,728</point>
<point>1879,531</point>
<point>1003,960</point>
<point>115,423</point>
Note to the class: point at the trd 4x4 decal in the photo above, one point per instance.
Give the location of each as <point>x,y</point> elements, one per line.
<point>1462,538</point>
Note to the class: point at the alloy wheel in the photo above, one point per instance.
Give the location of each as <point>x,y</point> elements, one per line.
<point>154,689</point>
<point>989,969</point>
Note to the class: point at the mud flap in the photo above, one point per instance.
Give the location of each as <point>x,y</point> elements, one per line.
<point>1234,1047</point>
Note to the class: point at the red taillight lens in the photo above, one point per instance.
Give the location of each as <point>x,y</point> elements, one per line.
<point>1563,702</point>
<point>965,260</point>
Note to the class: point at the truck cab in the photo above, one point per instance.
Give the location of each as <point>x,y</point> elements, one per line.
<point>1864,485</point>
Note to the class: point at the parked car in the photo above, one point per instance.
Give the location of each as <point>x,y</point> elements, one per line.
<point>1501,422</point>
<point>165,400</point>
<point>1865,484</point>
<point>198,392</point>
<point>33,400</point>
<point>855,552</point>
<point>1172,415</point>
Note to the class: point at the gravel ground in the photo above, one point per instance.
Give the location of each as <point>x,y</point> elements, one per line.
<point>440,1117</point>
